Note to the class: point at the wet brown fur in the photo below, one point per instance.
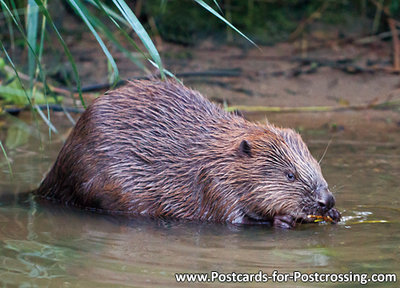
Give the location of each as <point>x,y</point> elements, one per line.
<point>160,149</point>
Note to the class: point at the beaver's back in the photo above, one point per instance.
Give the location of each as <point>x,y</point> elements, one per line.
<point>165,115</point>
<point>139,149</point>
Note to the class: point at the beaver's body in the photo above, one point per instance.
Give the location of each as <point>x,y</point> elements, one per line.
<point>162,150</point>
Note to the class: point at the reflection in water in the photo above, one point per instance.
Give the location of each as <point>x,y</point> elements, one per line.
<point>45,244</point>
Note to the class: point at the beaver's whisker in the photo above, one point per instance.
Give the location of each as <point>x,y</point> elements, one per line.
<point>326,149</point>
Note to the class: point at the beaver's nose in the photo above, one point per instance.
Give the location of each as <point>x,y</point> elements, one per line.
<point>325,199</point>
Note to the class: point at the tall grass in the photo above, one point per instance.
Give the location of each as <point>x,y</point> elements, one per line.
<point>39,20</point>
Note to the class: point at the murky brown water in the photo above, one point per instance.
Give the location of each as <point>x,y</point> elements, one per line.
<point>46,245</point>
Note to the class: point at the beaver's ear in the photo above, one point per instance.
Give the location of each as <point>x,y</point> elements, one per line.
<point>245,148</point>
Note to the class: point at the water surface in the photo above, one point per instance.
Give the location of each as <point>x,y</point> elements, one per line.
<point>43,244</point>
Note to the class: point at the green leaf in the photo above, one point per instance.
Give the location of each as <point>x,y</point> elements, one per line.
<point>215,13</point>
<point>65,47</point>
<point>20,82</point>
<point>141,32</point>
<point>21,30</point>
<point>163,6</point>
<point>125,34</point>
<point>17,75</point>
<point>110,13</point>
<point>167,72</point>
<point>31,27</point>
<point>83,13</point>
<point>15,94</point>
<point>9,25</point>
<point>42,34</point>
<point>219,7</point>
<point>31,49</point>
<point>110,35</point>
<point>16,12</point>
<point>46,120</point>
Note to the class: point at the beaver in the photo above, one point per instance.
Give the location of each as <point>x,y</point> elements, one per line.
<point>159,149</point>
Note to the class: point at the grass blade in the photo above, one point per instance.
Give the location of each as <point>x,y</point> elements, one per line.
<point>124,33</point>
<point>82,12</point>
<point>167,72</point>
<point>9,25</point>
<point>215,13</point>
<point>40,54</point>
<point>22,85</point>
<point>219,7</point>
<point>21,30</point>
<point>45,119</point>
<point>114,17</point>
<point>65,47</point>
<point>16,12</point>
<point>141,32</point>
<point>110,13</point>
<point>33,53</point>
<point>110,35</point>
<point>7,160</point>
<point>16,74</point>
<point>163,6</point>
<point>31,27</point>
<point>42,34</point>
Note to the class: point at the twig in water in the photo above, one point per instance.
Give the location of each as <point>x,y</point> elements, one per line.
<point>7,160</point>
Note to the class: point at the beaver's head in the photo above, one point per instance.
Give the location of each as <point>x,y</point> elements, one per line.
<point>285,183</point>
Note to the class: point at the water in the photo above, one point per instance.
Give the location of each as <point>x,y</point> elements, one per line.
<point>43,244</point>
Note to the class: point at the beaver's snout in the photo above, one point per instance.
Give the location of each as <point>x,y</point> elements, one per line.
<point>325,198</point>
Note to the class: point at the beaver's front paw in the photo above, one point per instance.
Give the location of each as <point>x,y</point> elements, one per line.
<point>334,214</point>
<point>284,221</point>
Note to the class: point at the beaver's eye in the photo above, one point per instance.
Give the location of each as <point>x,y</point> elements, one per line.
<point>290,176</point>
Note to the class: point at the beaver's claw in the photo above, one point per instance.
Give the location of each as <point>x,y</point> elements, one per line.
<point>284,221</point>
<point>334,214</point>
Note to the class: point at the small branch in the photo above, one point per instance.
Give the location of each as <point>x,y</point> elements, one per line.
<point>395,39</point>
<point>396,44</point>
<point>381,105</point>
<point>316,14</point>
<point>53,107</point>
<point>37,83</point>
<point>209,73</point>
<point>375,38</point>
